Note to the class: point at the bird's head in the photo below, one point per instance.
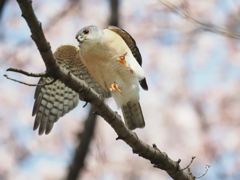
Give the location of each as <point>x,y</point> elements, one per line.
<point>89,34</point>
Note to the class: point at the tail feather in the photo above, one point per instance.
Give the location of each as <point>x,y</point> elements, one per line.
<point>133,116</point>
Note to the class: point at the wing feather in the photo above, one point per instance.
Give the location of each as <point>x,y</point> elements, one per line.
<point>132,46</point>
<point>55,100</point>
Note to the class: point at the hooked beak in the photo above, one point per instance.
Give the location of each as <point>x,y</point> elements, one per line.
<point>80,38</point>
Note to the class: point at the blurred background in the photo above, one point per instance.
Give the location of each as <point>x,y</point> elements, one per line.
<point>192,107</point>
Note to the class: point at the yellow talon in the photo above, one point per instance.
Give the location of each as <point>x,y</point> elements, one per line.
<point>114,87</point>
<point>122,60</point>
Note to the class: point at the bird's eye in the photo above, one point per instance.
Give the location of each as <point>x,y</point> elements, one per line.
<point>86,31</point>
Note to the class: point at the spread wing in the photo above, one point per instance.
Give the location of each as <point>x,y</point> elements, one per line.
<point>55,100</point>
<point>132,46</point>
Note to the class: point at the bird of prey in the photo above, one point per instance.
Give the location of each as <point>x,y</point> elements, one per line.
<point>109,61</point>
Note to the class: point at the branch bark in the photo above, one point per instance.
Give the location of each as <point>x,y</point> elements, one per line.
<point>114,20</point>
<point>208,26</point>
<point>2,5</point>
<point>85,138</point>
<point>153,154</point>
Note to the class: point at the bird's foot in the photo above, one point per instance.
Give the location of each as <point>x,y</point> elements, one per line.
<point>114,87</point>
<point>122,60</point>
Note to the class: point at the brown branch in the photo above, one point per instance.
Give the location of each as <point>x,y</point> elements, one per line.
<point>44,84</point>
<point>27,73</point>
<point>114,20</point>
<point>207,167</point>
<point>85,138</point>
<point>38,36</point>
<point>189,164</point>
<point>153,154</point>
<point>2,5</point>
<point>210,27</point>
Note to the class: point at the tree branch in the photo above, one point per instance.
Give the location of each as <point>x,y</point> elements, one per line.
<point>207,167</point>
<point>38,36</point>
<point>84,142</point>
<point>208,26</point>
<point>188,166</point>
<point>2,5</point>
<point>27,73</point>
<point>114,20</point>
<point>44,84</point>
<point>153,154</point>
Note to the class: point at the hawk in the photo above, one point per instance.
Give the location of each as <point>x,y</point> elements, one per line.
<point>109,61</point>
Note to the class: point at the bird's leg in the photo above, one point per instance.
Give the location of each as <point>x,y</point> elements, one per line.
<point>114,87</point>
<point>122,60</point>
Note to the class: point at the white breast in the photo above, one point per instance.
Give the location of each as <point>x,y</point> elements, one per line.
<point>101,60</point>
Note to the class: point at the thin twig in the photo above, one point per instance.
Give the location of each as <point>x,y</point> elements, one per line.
<point>27,73</point>
<point>188,164</point>
<point>211,27</point>
<point>44,84</point>
<point>207,167</point>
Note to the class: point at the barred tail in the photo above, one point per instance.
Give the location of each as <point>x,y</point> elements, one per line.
<point>133,116</point>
